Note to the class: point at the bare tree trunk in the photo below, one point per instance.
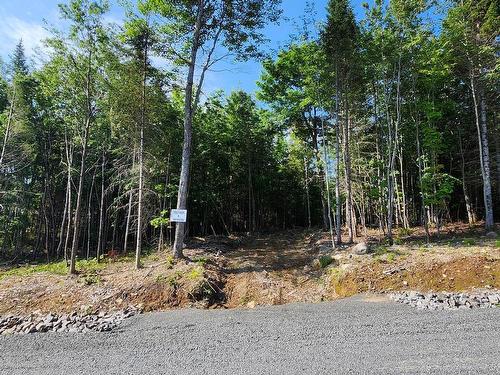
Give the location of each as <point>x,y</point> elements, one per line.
<point>404,211</point>
<point>188,134</point>
<point>482,130</point>
<point>308,198</point>
<point>471,216</point>
<point>496,133</point>
<point>76,219</point>
<point>420,176</point>
<point>392,156</point>
<point>127,225</point>
<point>338,199</point>
<point>347,166</point>
<point>67,203</point>
<point>129,212</point>
<point>100,239</point>
<point>89,214</point>
<point>320,175</point>
<point>164,202</point>
<point>138,246</point>
<point>8,128</point>
<point>327,183</point>
<point>86,133</point>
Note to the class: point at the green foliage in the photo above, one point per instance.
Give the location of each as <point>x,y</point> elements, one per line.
<point>325,261</point>
<point>162,220</point>
<point>437,187</point>
<point>497,244</point>
<point>196,273</point>
<point>58,268</point>
<point>469,241</point>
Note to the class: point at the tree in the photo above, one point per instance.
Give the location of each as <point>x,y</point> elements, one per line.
<point>339,41</point>
<point>85,38</point>
<point>471,29</point>
<point>210,24</point>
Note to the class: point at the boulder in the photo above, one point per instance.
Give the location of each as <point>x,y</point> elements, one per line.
<point>491,235</point>
<point>361,248</point>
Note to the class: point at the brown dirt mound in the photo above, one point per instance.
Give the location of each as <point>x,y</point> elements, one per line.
<point>465,273</point>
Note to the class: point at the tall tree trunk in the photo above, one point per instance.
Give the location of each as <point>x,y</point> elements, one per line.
<point>308,198</point>
<point>420,177</point>
<point>100,239</point>
<point>404,204</point>
<point>129,211</point>
<point>182,195</point>
<point>67,203</point>
<point>327,183</point>
<point>393,137</point>
<point>138,246</point>
<point>86,134</point>
<point>77,214</point>
<point>471,215</point>
<point>482,130</point>
<point>89,215</point>
<point>338,199</point>
<point>320,174</point>
<point>347,167</point>
<point>8,128</point>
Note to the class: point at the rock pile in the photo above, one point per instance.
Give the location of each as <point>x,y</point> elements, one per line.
<point>448,301</point>
<point>74,322</point>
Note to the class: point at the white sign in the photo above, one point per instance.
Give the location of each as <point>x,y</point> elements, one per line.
<point>178,216</point>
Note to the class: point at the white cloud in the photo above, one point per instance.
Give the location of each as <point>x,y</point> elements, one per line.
<point>12,29</point>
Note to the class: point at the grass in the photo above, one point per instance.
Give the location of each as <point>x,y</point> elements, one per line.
<point>469,241</point>
<point>497,244</point>
<point>196,273</point>
<point>56,268</point>
<point>390,255</point>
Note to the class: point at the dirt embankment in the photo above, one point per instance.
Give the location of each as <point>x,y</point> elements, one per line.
<point>293,266</point>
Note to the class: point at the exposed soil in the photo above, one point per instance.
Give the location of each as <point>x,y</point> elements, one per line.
<point>265,270</point>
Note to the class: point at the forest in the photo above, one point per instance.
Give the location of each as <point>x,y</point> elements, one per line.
<point>384,122</point>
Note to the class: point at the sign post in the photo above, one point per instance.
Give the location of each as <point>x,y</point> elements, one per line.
<point>178,216</point>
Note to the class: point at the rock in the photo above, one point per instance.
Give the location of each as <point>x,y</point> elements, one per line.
<point>491,235</point>
<point>444,300</point>
<point>361,248</point>
<point>251,304</point>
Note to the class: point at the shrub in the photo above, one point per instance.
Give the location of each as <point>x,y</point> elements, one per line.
<point>391,257</point>
<point>325,261</point>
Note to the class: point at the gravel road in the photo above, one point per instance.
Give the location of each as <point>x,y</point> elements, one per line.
<point>362,335</point>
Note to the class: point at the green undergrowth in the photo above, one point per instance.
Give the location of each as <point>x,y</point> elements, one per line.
<point>56,268</point>
<point>384,253</point>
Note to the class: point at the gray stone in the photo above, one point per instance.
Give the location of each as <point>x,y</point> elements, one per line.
<point>361,248</point>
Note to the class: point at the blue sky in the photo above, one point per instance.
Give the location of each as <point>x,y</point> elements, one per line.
<point>24,19</point>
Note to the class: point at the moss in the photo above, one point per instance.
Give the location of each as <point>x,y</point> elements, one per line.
<point>325,261</point>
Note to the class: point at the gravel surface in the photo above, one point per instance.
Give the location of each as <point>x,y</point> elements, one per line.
<point>74,322</point>
<point>362,335</point>
<point>449,301</point>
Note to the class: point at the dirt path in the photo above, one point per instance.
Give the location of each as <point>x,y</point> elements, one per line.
<point>285,252</point>
<point>274,269</point>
